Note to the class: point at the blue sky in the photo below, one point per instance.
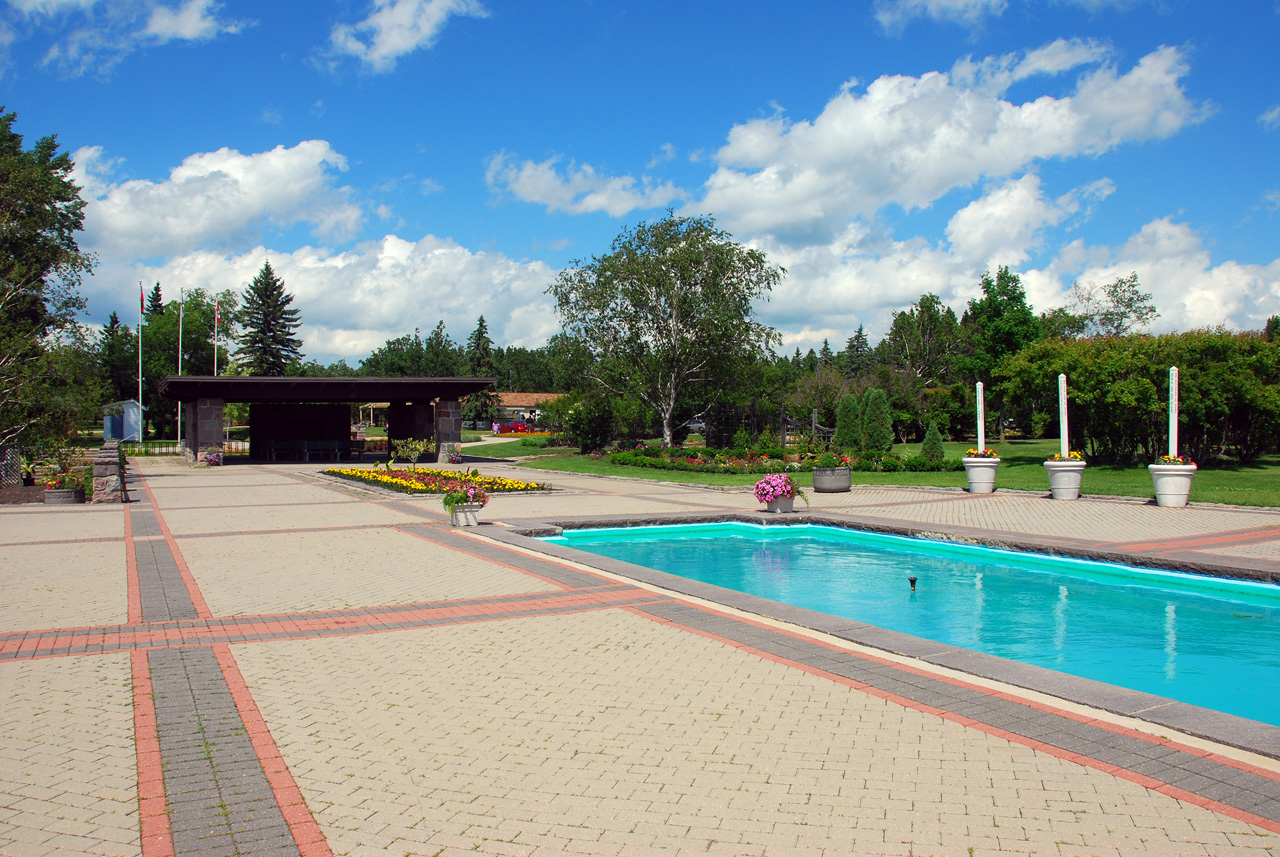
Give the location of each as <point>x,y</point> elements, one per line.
<point>403,161</point>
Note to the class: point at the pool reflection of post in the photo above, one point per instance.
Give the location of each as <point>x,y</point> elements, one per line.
<point>979,603</point>
<point>1060,621</point>
<point>1170,641</point>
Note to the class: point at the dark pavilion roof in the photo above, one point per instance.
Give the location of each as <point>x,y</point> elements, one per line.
<point>242,388</point>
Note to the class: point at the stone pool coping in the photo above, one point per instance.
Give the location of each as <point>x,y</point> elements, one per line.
<point>1227,729</point>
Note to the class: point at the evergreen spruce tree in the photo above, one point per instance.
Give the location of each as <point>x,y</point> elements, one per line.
<point>848,434</point>
<point>877,422</point>
<point>481,407</point>
<point>118,359</point>
<point>857,354</point>
<point>155,303</point>
<point>931,449</point>
<point>267,345</point>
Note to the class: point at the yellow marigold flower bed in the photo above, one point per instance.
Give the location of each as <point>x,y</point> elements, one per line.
<point>430,481</point>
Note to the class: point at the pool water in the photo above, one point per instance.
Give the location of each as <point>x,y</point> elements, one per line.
<point>1204,641</point>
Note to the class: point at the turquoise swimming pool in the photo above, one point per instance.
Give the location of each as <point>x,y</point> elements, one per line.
<point>1204,641</point>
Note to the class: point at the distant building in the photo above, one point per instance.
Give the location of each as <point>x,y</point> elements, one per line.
<point>512,406</point>
<point>122,421</point>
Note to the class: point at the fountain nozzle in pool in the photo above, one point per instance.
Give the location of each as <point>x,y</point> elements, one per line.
<point>912,581</point>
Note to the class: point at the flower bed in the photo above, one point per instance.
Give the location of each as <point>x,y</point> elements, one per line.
<point>427,481</point>
<point>765,461</point>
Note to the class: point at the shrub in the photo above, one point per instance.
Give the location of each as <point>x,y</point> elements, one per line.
<point>920,464</point>
<point>877,422</point>
<point>535,442</point>
<point>826,460</point>
<point>848,424</point>
<point>591,423</point>
<point>890,464</point>
<point>768,438</point>
<point>741,438</point>
<point>931,449</point>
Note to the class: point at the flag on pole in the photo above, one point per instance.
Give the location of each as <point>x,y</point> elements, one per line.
<point>142,300</point>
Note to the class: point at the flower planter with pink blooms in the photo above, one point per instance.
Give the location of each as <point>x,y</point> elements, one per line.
<point>778,492</point>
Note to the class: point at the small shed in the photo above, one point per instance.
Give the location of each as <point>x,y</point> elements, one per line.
<point>122,421</point>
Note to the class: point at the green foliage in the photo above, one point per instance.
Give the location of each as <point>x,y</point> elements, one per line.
<point>742,438</point>
<point>160,336</point>
<point>117,352</point>
<point>267,345</point>
<point>877,422</point>
<point>1272,329</point>
<point>999,323</point>
<point>42,351</point>
<point>848,424</point>
<point>856,359</point>
<point>590,422</point>
<point>925,339</point>
<point>1229,393</point>
<point>931,449</point>
<point>827,460</point>
<point>482,406</point>
<point>413,357</point>
<point>767,439</point>
<point>411,449</point>
<point>668,309</point>
<point>155,302</point>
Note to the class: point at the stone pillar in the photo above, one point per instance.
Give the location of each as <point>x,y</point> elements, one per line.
<point>204,430</point>
<point>448,428</point>
<point>108,483</point>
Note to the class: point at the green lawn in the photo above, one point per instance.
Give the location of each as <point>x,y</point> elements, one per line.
<point>1021,467</point>
<point>509,449</point>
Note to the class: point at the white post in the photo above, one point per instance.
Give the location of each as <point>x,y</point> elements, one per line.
<point>142,305</point>
<point>982,420</point>
<point>1062,416</point>
<point>1173,411</point>
<point>181,303</point>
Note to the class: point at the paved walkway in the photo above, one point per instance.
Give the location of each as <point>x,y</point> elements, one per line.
<point>255,660</point>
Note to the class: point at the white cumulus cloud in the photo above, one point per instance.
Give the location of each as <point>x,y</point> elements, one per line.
<point>214,198</point>
<point>1270,118</point>
<point>909,140</point>
<point>579,189</point>
<point>1006,223</point>
<point>394,28</point>
<point>354,301</point>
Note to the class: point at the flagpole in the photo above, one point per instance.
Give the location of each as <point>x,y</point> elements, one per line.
<point>142,303</point>
<point>182,299</point>
<point>216,313</point>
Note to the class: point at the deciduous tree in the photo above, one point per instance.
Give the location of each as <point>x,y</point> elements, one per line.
<point>40,270</point>
<point>668,308</point>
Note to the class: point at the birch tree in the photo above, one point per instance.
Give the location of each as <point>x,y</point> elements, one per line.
<point>668,309</point>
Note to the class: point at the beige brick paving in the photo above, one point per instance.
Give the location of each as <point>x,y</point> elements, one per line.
<point>68,770</point>
<point>1260,550</point>
<point>41,523</point>
<point>609,733</point>
<point>347,568</point>
<point>62,586</point>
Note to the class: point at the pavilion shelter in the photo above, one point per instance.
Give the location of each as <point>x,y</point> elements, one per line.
<point>308,418</point>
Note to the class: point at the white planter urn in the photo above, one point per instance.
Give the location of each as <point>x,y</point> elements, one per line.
<point>981,473</point>
<point>782,504</point>
<point>1172,483</point>
<point>465,514</point>
<point>1064,478</point>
